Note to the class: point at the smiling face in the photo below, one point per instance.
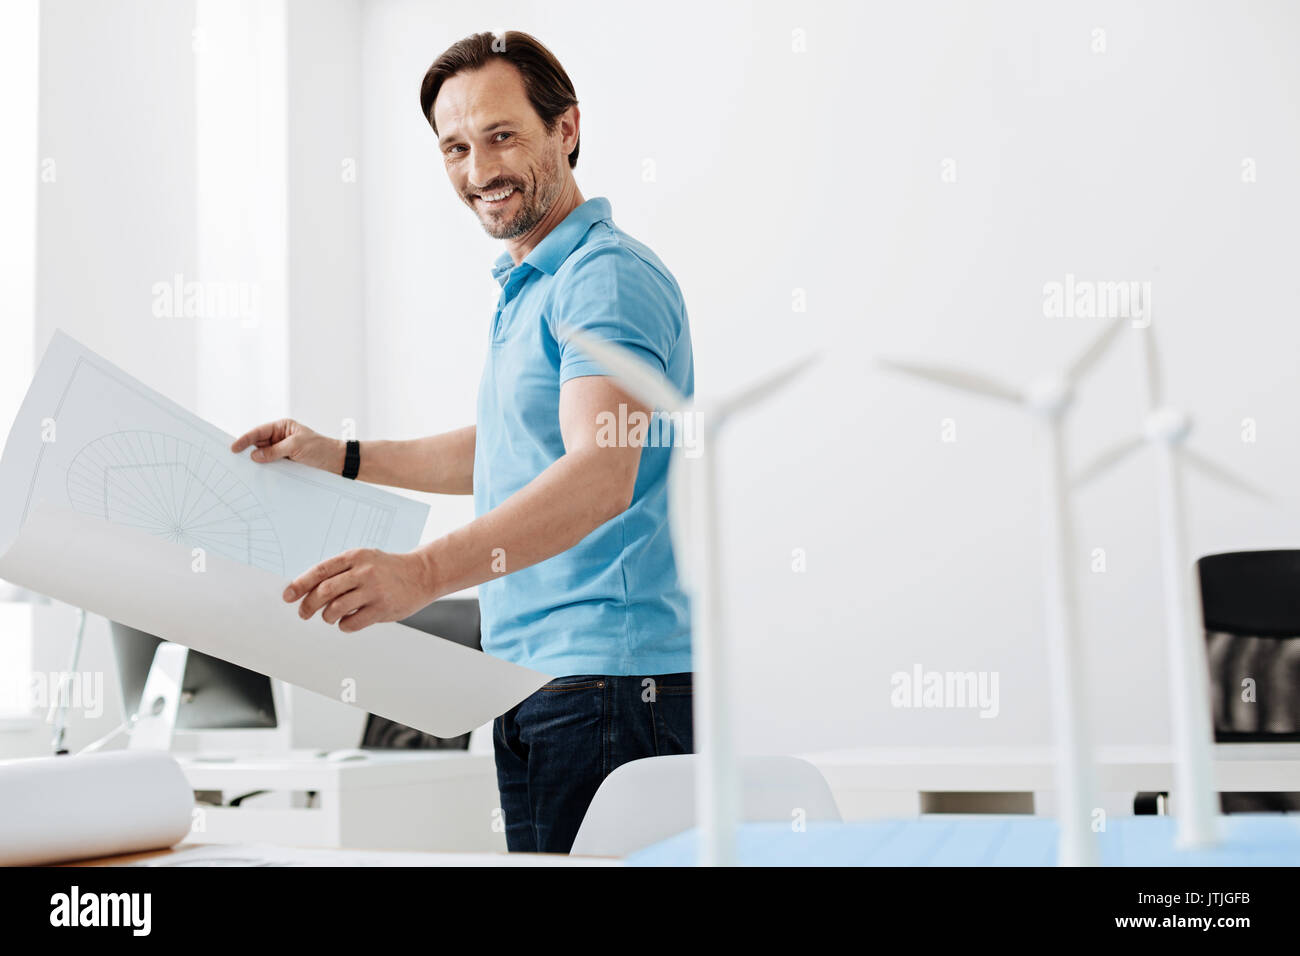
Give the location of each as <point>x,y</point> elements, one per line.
<point>499,157</point>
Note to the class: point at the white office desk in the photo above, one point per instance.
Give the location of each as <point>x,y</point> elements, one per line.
<point>259,855</point>
<point>880,781</point>
<point>443,800</point>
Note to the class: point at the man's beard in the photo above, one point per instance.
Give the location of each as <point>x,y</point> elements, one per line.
<point>535,201</point>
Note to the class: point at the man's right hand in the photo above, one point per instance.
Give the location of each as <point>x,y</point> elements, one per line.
<point>288,439</point>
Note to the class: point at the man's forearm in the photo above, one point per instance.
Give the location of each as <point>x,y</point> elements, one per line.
<point>573,497</point>
<point>443,464</point>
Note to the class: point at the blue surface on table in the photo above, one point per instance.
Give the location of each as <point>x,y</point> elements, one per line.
<point>992,840</point>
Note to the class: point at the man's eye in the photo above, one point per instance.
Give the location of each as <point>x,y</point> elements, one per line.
<point>503,134</point>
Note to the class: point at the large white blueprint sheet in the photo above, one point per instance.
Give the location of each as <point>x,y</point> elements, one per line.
<point>91,438</point>
<point>107,492</point>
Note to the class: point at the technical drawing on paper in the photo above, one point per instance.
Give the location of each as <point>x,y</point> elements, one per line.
<point>173,489</point>
<point>135,459</point>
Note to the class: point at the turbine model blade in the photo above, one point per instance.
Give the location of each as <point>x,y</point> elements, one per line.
<point>1151,369</point>
<point>645,383</point>
<point>1222,475</point>
<point>761,389</point>
<point>956,378</point>
<point>1093,353</point>
<point>680,521</point>
<point>1107,460</point>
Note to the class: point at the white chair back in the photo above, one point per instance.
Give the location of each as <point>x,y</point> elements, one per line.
<point>645,801</point>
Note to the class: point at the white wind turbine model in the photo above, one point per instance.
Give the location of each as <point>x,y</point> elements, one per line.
<point>692,501</point>
<point>1166,428</point>
<point>1047,400</point>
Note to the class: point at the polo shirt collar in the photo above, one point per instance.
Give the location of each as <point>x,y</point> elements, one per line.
<point>548,255</point>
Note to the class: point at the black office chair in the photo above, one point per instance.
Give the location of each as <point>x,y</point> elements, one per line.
<point>1251,604</point>
<point>456,619</point>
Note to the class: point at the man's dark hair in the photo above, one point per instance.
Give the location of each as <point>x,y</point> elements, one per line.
<point>548,86</point>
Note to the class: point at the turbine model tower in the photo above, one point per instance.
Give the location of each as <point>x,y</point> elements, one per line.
<point>692,501</point>
<point>1047,400</point>
<point>1195,797</point>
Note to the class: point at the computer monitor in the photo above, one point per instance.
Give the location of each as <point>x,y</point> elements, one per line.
<point>216,694</point>
<point>227,707</point>
<point>456,619</point>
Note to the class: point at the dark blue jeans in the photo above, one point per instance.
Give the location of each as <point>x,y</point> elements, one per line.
<point>554,749</point>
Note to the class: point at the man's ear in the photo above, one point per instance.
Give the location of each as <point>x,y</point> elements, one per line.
<point>570,122</point>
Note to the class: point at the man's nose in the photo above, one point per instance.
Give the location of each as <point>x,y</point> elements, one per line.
<point>483,171</point>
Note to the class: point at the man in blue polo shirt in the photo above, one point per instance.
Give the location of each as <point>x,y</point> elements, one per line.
<point>570,548</point>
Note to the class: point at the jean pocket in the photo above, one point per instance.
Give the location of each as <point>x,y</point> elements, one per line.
<point>561,685</point>
<point>670,685</point>
<point>673,714</point>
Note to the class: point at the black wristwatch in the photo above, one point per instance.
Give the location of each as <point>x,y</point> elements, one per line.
<point>352,459</point>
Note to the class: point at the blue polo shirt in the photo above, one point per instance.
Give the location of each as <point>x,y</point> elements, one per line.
<point>611,604</point>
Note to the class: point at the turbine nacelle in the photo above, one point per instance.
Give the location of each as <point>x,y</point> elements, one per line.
<point>1167,424</point>
<point>1050,396</point>
<point>1164,424</point>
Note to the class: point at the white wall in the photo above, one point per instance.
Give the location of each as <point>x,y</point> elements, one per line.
<point>117,131</point>
<point>19,170</point>
<point>777,170</point>
<point>115,214</point>
<point>206,141</point>
<point>326,334</point>
<point>774,170</point>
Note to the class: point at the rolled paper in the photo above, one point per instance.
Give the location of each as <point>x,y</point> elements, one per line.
<point>54,809</point>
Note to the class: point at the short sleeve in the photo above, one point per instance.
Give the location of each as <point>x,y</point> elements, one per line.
<point>613,294</point>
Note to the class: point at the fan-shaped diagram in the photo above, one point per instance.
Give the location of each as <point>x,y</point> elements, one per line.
<point>171,488</point>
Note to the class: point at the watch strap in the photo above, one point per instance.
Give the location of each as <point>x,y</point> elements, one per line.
<point>352,459</point>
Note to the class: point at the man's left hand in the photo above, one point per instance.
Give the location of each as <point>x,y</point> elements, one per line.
<point>362,587</point>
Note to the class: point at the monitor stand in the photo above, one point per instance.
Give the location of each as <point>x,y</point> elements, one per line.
<point>155,721</point>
